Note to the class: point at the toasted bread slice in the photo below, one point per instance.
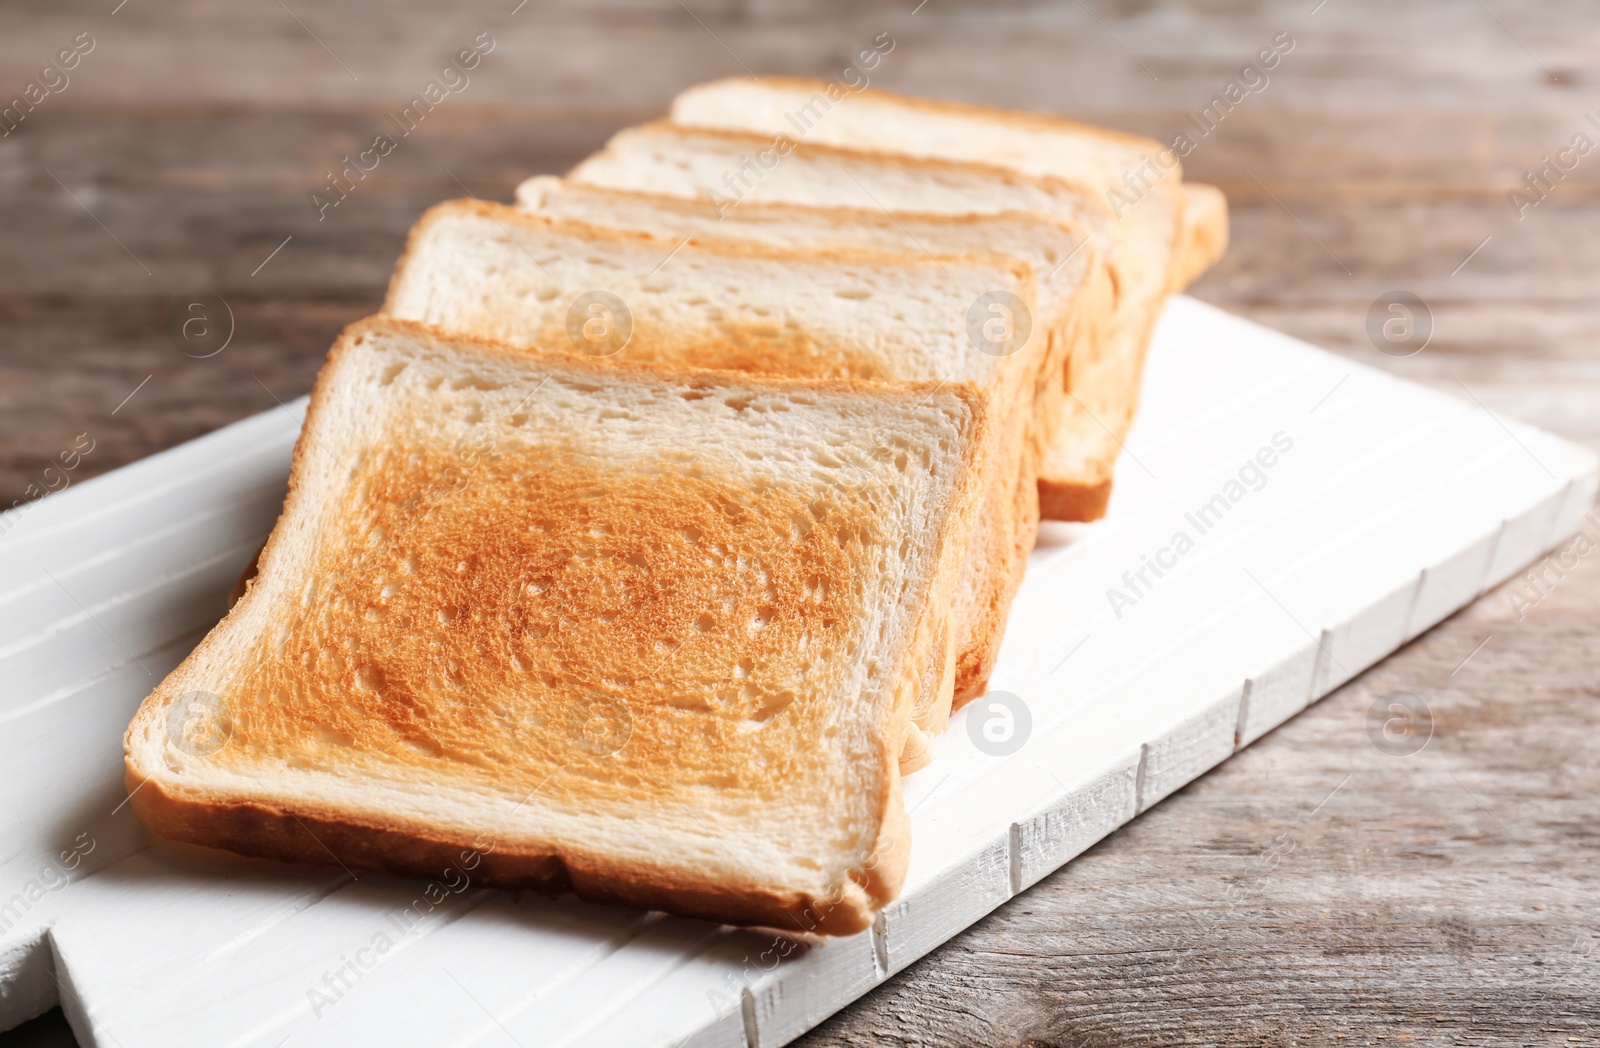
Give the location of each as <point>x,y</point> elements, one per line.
<point>502,273</point>
<point>649,634</point>
<point>1074,288</point>
<point>1157,249</point>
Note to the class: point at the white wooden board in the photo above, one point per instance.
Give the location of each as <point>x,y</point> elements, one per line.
<point>1393,507</point>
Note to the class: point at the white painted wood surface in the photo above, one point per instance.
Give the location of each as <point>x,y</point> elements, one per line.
<point>1394,507</point>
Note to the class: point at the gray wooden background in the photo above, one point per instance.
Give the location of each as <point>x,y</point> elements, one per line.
<point>1313,891</point>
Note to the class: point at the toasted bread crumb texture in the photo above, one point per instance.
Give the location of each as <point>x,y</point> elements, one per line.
<point>542,584</point>
<point>628,621</point>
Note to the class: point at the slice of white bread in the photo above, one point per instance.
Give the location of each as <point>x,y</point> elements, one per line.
<point>733,169</point>
<point>1157,249</point>
<point>645,633</point>
<point>1074,289</point>
<point>502,273</point>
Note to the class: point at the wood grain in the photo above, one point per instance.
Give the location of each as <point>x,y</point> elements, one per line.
<point>1445,897</point>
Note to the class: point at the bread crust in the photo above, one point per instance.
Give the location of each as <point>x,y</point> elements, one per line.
<point>1205,233</point>
<point>272,832</point>
<point>1073,500</point>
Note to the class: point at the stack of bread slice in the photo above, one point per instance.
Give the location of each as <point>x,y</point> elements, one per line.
<point>1165,233</point>
<point>654,530</point>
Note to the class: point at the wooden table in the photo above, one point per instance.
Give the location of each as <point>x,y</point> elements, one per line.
<point>1313,890</point>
